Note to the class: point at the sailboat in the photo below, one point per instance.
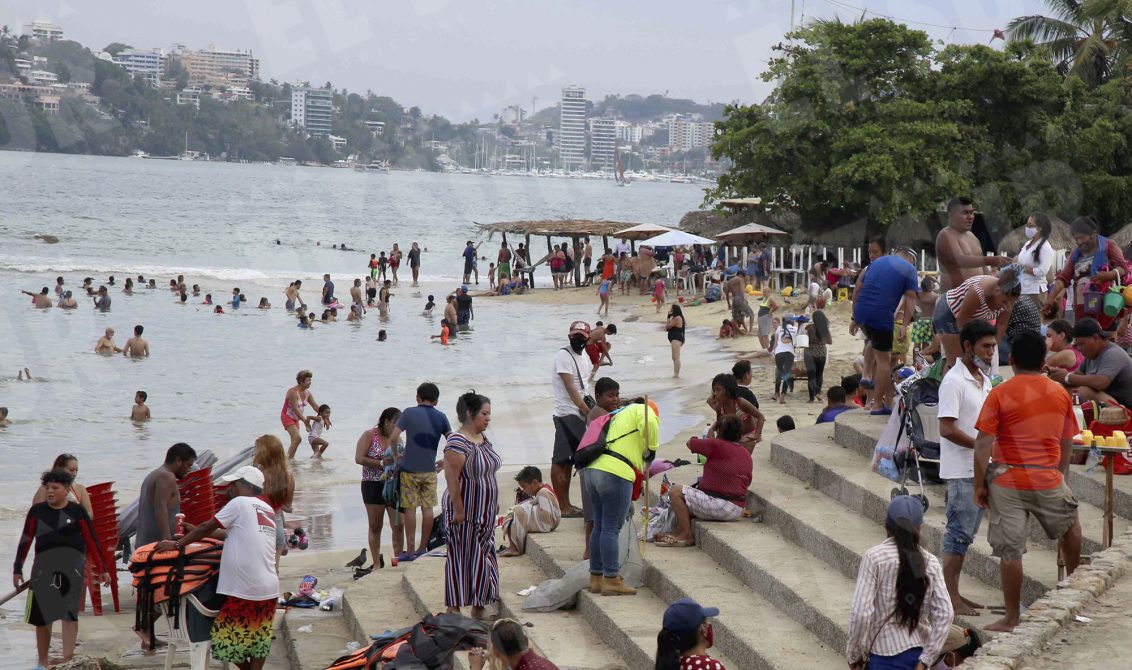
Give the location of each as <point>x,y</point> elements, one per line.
<point>618,168</point>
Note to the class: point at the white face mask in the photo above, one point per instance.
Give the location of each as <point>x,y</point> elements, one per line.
<point>983,366</point>
<point>1031,233</point>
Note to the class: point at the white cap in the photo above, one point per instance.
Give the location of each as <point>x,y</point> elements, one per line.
<point>249,473</point>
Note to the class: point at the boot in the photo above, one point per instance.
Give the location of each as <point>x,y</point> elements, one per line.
<point>614,586</point>
<point>595,583</point>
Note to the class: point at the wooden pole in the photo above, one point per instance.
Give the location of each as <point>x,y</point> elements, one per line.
<point>645,432</point>
<point>530,262</point>
<point>577,261</point>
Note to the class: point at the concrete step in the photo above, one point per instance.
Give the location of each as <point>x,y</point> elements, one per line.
<point>379,602</point>
<point>628,624</point>
<point>564,637</point>
<point>858,432</point>
<point>750,628</point>
<point>809,456</point>
<point>314,638</point>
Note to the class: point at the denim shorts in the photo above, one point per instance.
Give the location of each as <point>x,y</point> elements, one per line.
<point>943,319</point>
<point>963,516</point>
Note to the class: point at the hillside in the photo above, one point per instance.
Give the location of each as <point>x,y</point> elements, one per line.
<point>637,108</point>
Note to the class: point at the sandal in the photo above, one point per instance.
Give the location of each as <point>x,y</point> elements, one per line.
<point>669,541</point>
<point>574,513</point>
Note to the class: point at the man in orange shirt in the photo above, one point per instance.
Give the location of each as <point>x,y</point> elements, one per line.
<point>1026,430</point>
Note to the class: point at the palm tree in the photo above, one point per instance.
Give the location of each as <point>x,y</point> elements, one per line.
<point>1085,38</point>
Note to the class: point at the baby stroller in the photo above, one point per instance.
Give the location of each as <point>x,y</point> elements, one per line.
<point>919,419</point>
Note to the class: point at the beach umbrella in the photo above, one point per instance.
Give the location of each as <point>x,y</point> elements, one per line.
<point>677,238</point>
<point>748,233</point>
<point>642,231</point>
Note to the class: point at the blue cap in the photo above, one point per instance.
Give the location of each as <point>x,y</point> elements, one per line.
<point>464,288</point>
<point>906,508</point>
<point>685,614</point>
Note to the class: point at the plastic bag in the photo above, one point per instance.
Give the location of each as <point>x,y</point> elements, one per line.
<point>884,455</point>
<point>661,520</point>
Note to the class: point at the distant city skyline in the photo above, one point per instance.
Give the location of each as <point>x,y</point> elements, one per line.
<point>472,59</point>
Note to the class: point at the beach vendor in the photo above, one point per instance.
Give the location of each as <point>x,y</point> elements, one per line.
<point>1089,269</point>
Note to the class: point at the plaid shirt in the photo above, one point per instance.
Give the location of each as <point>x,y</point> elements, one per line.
<point>875,598</point>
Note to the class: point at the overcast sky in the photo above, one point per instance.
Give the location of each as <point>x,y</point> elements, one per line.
<point>470,58</point>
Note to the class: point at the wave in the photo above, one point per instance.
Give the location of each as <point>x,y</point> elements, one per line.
<point>192,274</point>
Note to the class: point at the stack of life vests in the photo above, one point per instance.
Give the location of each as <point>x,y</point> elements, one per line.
<point>168,576</point>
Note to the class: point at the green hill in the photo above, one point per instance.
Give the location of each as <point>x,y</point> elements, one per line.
<point>638,108</point>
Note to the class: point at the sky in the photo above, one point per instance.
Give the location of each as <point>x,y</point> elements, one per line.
<point>467,59</point>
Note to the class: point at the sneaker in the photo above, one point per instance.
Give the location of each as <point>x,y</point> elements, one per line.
<point>406,556</point>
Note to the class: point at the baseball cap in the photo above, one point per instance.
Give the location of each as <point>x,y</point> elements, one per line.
<point>464,288</point>
<point>1087,328</point>
<point>905,508</point>
<point>685,614</point>
<point>580,328</point>
<point>249,473</point>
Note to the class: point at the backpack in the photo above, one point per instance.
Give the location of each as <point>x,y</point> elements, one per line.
<point>595,442</point>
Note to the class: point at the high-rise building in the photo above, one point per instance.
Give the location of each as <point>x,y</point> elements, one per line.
<point>572,128</point>
<point>629,132</point>
<point>219,67</point>
<point>43,30</point>
<point>311,109</point>
<point>685,134</point>
<point>141,64</point>
<point>603,143</point>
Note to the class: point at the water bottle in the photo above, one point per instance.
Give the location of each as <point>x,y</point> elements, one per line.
<point>327,605</point>
<point>700,458</point>
<point>1092,460</point>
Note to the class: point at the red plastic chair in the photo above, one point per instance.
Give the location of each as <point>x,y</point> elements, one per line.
<point>105,524</point>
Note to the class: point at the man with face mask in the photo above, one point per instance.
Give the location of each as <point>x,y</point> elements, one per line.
<point>571,369</point>
<point>961,397</point>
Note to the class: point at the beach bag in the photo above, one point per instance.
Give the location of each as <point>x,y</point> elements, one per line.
<point>661,521</point>
<point>1113,301</point>
<point>392,491</point>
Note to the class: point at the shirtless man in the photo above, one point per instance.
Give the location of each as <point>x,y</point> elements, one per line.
<point>960,257</point>
<point>450,311</point>
<point>598,345</point>
<point>41,299</point>
<point>106,344</point>
<point>136,347</point>
<point>741,312</point>
<point>959,252</point>
<point>356,292</point>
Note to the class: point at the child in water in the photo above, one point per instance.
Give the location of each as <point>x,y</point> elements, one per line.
<point>4,421</point>
<point>428,306</point>
<point>443,336</point>
<point>140,411</point>
<point>319,423</point>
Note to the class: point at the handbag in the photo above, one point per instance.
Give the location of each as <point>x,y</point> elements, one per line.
<point>586,397</point>
<point>865,664</point>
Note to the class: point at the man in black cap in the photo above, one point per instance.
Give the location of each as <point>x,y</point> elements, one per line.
<point>1106,373</point>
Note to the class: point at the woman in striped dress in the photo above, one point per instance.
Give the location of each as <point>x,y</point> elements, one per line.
<point>470,507</point>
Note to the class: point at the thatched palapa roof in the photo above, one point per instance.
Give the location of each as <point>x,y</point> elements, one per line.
<point>1059,239</point>
<point>556,227</point>
<point>1123,237</point>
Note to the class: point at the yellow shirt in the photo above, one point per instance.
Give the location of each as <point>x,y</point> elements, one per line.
<point>622,439</point>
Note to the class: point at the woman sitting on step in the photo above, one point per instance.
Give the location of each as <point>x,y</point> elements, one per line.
<point>721,494</point>
<point>901,612</point>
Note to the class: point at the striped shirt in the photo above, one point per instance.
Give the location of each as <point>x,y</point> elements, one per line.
<point>957,295</point>
<point>875,599</point>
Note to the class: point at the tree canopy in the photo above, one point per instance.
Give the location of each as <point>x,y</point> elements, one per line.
<point>872,121</point>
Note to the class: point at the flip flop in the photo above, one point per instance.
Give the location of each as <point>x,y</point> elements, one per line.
<point>575,513</point>
<point>673,542</point>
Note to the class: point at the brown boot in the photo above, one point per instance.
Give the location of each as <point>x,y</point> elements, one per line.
<point>595,583</point>
<point>614,586</point>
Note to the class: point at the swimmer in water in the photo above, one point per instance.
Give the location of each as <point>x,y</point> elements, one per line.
<point>140,411</point>
<point>24,375</point>
<point>40,300</point>
<point>218,310</point>
<point>428,306</point>
<point>208,299</point>
<point>106,344</point>
<point>264,304</point>
<point>68,301</point>
<point>152,283</point>
<point>381,336</point>
<point>136,347</point>
<point>444,330</point>
<point>4,417</point>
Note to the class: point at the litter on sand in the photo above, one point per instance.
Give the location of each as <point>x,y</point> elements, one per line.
<point>527,591</point>
<point>1082,619</point>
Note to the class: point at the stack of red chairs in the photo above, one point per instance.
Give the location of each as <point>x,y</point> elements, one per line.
<point>198,499</point>
<point>105,507</point>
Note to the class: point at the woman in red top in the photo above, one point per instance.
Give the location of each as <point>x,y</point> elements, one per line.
<point>721,494</point>
<point>685,638</point>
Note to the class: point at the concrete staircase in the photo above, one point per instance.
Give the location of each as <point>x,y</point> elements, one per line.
<point>783,581</point>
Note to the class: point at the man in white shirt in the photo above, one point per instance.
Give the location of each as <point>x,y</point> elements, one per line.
<point>241,633</point>
<point>571,369</point>
<point>961,397</point>
<point>623,247</point>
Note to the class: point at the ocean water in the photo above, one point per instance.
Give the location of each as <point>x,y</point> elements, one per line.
<point>218,381</point>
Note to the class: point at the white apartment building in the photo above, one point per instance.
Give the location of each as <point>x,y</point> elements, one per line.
<point>603,143</point>
<point>220,67</point>
<point>311,109</point>
<point>43,30</point>
<point>190,95</point>
<point>572,128</point>
<point>141,64</point>
<point>685,134</point>
<point>630,132</point>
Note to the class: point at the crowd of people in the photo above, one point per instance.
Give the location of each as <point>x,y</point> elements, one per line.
<point>1005,445</point>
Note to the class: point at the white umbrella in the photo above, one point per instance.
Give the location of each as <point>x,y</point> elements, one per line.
<point>677,238</point>
<point>750,231</point>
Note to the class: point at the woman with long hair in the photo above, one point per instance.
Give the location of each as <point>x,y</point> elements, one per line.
<point>76,492</point>
<point>470,505</point>
<point>374,452</point>
<point>675,325</point>
<point>685,637</point>
<point>1036,258</point>
<point>901,612</point>
<point>820,338</point>
<point>726,401</point>
<point>278,484</point>
<point>507,647</point>
<point>782,346</point>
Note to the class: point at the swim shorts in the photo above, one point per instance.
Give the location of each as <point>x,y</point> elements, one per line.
<point>418,489</point>
<point>243,630</point>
